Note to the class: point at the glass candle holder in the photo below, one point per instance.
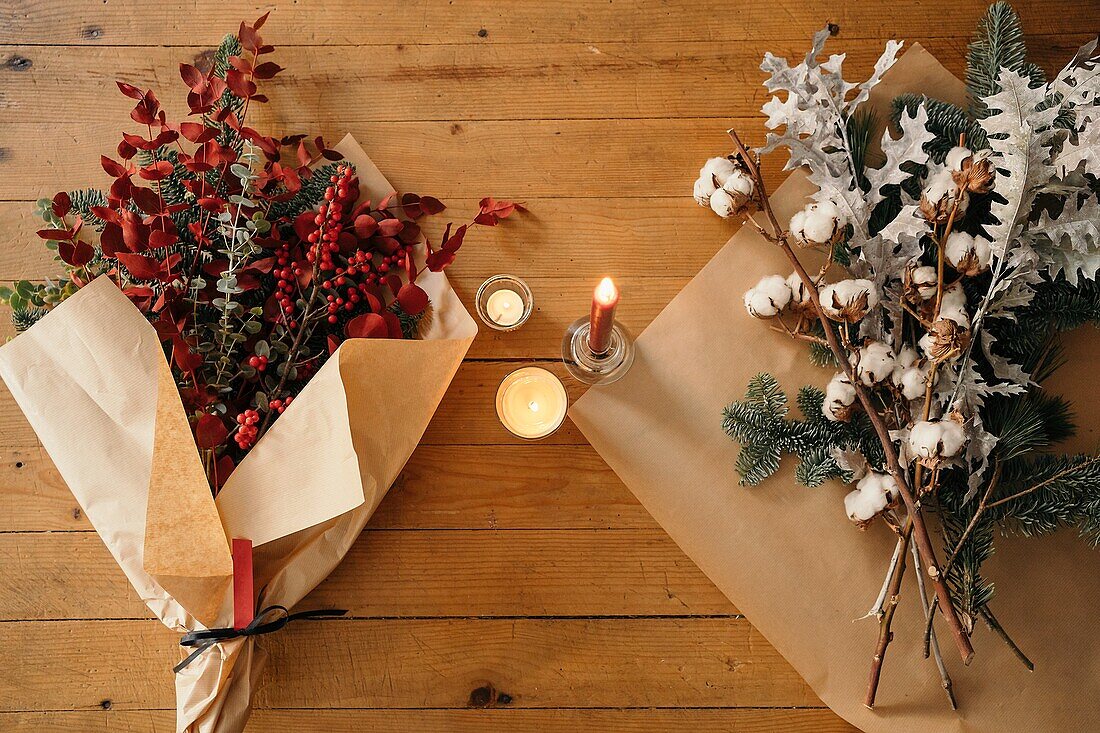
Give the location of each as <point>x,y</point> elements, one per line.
<point>531,403</point>
<point>504,302</point>
<point>589,367</point>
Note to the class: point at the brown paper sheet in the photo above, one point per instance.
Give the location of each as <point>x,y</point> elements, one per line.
<point>93,382</point>
<point>789,558</point>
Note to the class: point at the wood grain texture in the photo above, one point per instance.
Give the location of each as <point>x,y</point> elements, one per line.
<point>429,663</point>
<point>520,575</point>
<point>494,720</point>
<point>399,573</point>
<point>482,22</point>
<point>442,487</point>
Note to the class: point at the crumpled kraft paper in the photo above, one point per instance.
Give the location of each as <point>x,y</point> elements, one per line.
<point>92,380</point>
<point>789,558</point>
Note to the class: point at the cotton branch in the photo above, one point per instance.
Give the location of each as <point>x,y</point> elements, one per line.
<point>923,540</point>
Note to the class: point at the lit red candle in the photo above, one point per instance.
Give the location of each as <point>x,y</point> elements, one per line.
<point>604,301</point>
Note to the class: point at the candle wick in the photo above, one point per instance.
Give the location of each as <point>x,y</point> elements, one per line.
<point>533,405</point>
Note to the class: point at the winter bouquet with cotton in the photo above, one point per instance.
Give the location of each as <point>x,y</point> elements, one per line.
<point>934,272</point>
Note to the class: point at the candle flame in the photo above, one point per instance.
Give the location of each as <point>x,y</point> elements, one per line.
<point>606,292</point>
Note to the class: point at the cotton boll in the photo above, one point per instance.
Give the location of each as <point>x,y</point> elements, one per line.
<point>911,382</point>
<point>946,338</point>
<point>872,495</point>
<point>820,223</point>
<point>739,182</point>
<point>972,171</point>
<point>768,298</point>
<point>907,357</point>
<point>921,283</point>
<point>874,363</point>
<point>800,294</point>
<point>953,306</point>
<point>940,195</point>
<point>704,188</point>
<point>723,203</point>
<point>849,300</point>
<point>934,441</point>
<point>840,399</point>
<point>969,255</point>
<point>718,169</point>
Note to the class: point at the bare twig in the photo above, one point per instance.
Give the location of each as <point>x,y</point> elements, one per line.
<point>885,635</point>
<point>945,678</point>
<point>992,623</point>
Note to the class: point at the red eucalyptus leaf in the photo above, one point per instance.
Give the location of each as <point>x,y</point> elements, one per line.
<point>113,168</point>
<point>75,254</point>
<point>129,90</point>
<point>412,298</point>
<point>222,468</point>
<point>62,204</point>
<point>213,204</point>
<point>140,266</point>
<point>260,21</point>
<point>147,200</point>
<point>159,238</point>
<point>157,171</point>
<point>210,431</point>
<point>333,155</point>
<point>197,132</point>
<point>365,226</point>
<point>304,158</point>
<point>304,224</point>
<point>367,325</point>
<point>107,214</point>
<point>431,205</point>
<point>333,343</point>
<point>121,190</point>
<point>267,70</point>
<point>241,64</point>
<point>55,234</point>
<point>126,151</point>
<point>439,260</point>
<point>240,84</point>
<point>393,325</point>
<point>140,296</point>
<point>192,77</point>
<point>390,227</point>
<point>110,240</point>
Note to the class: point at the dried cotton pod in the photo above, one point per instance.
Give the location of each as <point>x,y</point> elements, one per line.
<point>768,298</point>
<point>945,340</point>
<point>874,363</point>
<point>849,300</point>
<point>873,494</point>
<point>934,441</point>
<point>919,282</point>
<point>971,171</point>
<point>704,188</point>
<point>969,255</point>
<point>801,301</point>
<point>819,224</point>
<point>735,195</point>
<point>911,381</point>
<point>940,196</point>
<point>839,404</point>
<point>717,170</point>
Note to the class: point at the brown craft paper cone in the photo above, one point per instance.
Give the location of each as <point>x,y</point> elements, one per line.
<point>92,379</point>
<point>789,558</point>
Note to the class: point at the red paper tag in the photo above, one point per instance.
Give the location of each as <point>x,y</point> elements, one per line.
<point>243,608</point>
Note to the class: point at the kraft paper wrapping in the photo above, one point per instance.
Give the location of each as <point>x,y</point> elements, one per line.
<point>92,380</point>
<point>789,558</point>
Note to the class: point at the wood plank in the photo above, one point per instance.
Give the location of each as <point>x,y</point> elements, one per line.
<point>495,720</point>
<point>595,663</point>
<point>583,238</point>
<point>442,487</point>
<point>509,159</point>
<point>390,573</point>
<point>332,87</point>
<point>130,22</point>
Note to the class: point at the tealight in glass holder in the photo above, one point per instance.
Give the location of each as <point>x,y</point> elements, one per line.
<point>504,302</point>
<point>589,366</point>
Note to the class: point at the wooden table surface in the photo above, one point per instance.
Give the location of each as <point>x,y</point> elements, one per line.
<point>502,585</point>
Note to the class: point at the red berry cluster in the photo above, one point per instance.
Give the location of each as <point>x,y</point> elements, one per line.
<point>249,426</point>
<point>259,363</point>
<point>280,406</point>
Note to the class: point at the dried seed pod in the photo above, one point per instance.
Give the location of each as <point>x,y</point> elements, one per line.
<point>735,195</point>
<point>971,171</point>
<point>874,494</point>
<point>945,340</point>
<point>839,404</point>
<point>969,255</point>
<point>940,196</point>
<point>919,282</point>
<point>934,441</point>
<point>874,363</point>
<point>849,300</point>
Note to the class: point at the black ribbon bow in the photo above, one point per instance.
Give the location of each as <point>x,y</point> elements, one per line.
<point>267,621</point>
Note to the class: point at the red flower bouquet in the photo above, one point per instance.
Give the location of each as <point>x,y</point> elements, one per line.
<point>249,348</point>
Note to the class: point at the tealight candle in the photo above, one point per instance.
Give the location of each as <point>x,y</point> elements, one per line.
<point>504,307</point>
<point>531,402</point>
<point>504,302</point>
